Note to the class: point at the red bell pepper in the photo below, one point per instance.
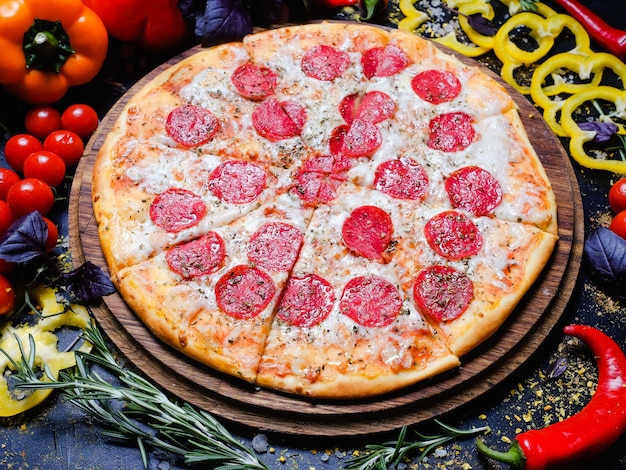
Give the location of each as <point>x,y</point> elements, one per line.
<point>152,25</point>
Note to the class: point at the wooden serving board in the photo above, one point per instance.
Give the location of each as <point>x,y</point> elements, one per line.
<point>270,411</point>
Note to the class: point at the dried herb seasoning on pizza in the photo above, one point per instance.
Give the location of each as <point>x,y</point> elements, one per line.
<point>330,210</point>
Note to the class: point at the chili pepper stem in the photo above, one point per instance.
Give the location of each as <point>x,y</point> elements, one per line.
<point>514,457</point>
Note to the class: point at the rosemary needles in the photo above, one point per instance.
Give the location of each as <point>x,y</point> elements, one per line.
<point>136,411</point>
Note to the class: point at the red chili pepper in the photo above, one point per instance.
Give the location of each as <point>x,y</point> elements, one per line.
<point>578,439</point>
<point>610,38</point>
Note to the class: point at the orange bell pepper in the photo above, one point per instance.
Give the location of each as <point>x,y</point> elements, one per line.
<point>48,46</point>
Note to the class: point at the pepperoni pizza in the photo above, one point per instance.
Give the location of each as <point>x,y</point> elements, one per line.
<point>331,210</point>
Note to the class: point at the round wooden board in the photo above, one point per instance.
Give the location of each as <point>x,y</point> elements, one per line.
<point>271,411</point>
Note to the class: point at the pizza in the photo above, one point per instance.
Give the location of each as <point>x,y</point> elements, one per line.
<point>330,210</point>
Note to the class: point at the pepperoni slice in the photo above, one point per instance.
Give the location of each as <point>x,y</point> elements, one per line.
<point>244,292</point>
<point>374,107</point>
<point>361,139</point>
<point>307,301</point>
<point>320,176</point>
<point>443,292</point>
<point>474,190</point>
<point>237,182</point>
<point>191,126</point>
<point>436,86</point>
<point>453,235</point>
<point>337,137</point>
<point>177,209</point>
<point>451,132</point>
<point>275,246</point>
<point>325,63</point>
<point>254,82</point>
<point>276,120</point>
<point>198,257</point>
<point>348,107</point>
<point>370,301</point>
<point>368,231</point>
<point>402,179</point>
<point>384,61</point>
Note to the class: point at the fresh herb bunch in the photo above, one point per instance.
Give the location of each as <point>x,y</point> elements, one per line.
<point>24,243</point>
<point>126,408</point>
<point>390,454</point>
<point>136,411</point>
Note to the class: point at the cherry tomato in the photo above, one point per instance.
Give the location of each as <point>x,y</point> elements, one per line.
<point>7,179</point>
<point>53,235</point>
<point>618,224</point>
<point>66,144</point>
<point>46,166</point>
<point>28,195</point>
<point>617,196</point>
<point>81,119</point>
<point>42,120</point>
<point>6,217</point>
<point>7,296</point>
<point>18,148</point>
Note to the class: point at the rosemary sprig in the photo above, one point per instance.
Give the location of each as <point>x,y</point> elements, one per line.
<point>135,410</point>
<point>389,454</point>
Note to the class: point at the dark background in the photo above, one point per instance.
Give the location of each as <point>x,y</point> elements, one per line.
<point>58,436</point>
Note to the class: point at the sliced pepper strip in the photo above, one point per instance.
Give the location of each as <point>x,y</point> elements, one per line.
<point>413,17</point>
<point>54,317</point>
<point>578,136</point>
<point>543,30</point>
<point>472,8</point>
<point>590,70</point>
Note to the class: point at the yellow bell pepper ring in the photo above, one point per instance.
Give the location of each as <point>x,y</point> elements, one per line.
<point>48,46</point>
<point>543,31</point>
<point>53,317</point>
<point>589,70</point>
<point>579,137</point>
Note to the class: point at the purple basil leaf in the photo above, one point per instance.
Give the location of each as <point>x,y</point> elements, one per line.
<point>87,282</point>
<point>218,21</point>
<point>482,25</point>
<point>604,130</point>
<point>606,253</point>
<point>558,368</point>
<point>25,239</point>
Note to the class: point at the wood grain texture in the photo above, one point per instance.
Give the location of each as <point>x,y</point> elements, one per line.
<point>270,411</point>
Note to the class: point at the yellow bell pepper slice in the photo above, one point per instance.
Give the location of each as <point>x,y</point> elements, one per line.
<point>413,17</point>
<point>54,317</point>
<point>589,70</point>
<point>578,137</point>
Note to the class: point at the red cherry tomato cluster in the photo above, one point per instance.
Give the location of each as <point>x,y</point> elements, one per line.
<point>617,201</point>
<point>38,161</point>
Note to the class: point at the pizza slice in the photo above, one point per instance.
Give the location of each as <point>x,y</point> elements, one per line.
<point>213,297</point>
<point>344,328</point>
<point>467,274</point>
